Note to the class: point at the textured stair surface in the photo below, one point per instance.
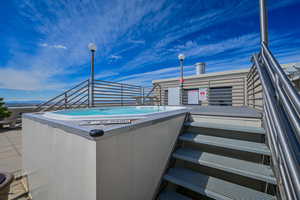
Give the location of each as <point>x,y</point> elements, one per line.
<point>213,187</point>
<point>247,129</point>
<point>233,165</point>
<point>172,195</point>
<point>235,144</point>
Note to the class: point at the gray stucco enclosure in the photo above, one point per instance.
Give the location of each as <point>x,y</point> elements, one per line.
<point>63,161</point>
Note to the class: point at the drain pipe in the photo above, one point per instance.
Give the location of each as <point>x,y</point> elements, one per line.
<point>263,22</point>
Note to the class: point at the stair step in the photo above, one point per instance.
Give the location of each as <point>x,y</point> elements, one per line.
<point>232,165</point>
<point>172,195</point>
<point>235,144</point>
<point>247,129</point>
<point>211,186</point>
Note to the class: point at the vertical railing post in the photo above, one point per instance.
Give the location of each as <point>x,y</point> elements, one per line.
<point>253,91</point>
<point>263,21</point>
<point>66,101</point>
<point>89,93</point>
<point>143,95</point>
<point>160,99</point>
<point>121,94</point>
<point>245,90</point>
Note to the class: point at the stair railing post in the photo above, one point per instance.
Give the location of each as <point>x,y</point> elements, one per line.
<point>263,21</point>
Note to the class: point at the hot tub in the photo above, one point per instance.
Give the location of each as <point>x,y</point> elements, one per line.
<point>123,112</point>
<point>63,160</point>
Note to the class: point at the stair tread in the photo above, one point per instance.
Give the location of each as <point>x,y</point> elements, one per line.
<point>211,186</point>
<point>247,129</point>
<point>172,195</point>
<point>235,144</point>
<point>233,165</point>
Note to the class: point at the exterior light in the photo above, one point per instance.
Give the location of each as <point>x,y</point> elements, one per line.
<point>92,47</point>
<point>181,57</point>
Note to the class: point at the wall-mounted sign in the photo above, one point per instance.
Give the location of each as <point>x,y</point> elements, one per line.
<point>203,94</point>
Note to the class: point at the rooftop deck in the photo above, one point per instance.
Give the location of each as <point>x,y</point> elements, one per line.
<point>11,160</point>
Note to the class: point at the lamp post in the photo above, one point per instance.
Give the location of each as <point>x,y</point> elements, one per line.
<point>181,58</point>
<point>92,47</point>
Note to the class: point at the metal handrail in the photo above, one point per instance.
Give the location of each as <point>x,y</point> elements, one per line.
<point>40,107</point>
<point>104,93</point>
<point>281,105</point>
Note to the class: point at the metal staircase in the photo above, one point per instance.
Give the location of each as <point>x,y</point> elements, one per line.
<point>219,162</point>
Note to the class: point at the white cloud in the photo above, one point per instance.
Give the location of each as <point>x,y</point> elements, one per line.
<point>59,46</point>
<point>11,78</point>
<point>56,46</point>
<point>119,28</point>
<point>115,57</point>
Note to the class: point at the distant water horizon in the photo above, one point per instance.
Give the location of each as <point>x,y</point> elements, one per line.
<point>21,103</point>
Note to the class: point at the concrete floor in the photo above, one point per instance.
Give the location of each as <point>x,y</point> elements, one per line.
<point>11,160</point>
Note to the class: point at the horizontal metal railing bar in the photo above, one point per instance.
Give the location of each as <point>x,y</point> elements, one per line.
<point>118,92</point>
<point>252,76</point>
<point>256,105</point>
<point>250,92</point>
<point>55,104</point>
<point>44,104</point>
<point>252,73</point>
<point>254,87</point>
<point>115,88</point>
<point>225,92</point>
<point>255,80</point>
<point>115,94</point>
<point>83,103</point>
<point>114,98</point>
<point>239,87</point>
<point>108,88</point>
<point>78,90</point>
<point>226,99</point>
<point>79,94</point>
<point>224,95</point>
<point>260,98</point>
<point>115,83</point>
<point>79,100</point>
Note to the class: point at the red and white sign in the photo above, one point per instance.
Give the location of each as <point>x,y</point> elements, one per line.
<point>203,94</point>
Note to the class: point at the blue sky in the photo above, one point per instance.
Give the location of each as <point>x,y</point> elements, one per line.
<point>44,43</point>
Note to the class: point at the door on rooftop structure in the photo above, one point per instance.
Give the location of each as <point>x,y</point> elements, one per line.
<point>173,96</point>
<point>220,96</point>
<point>193,96</point>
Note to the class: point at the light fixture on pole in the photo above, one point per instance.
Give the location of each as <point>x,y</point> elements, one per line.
<point>181,58</point>
<point>92,47</point>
